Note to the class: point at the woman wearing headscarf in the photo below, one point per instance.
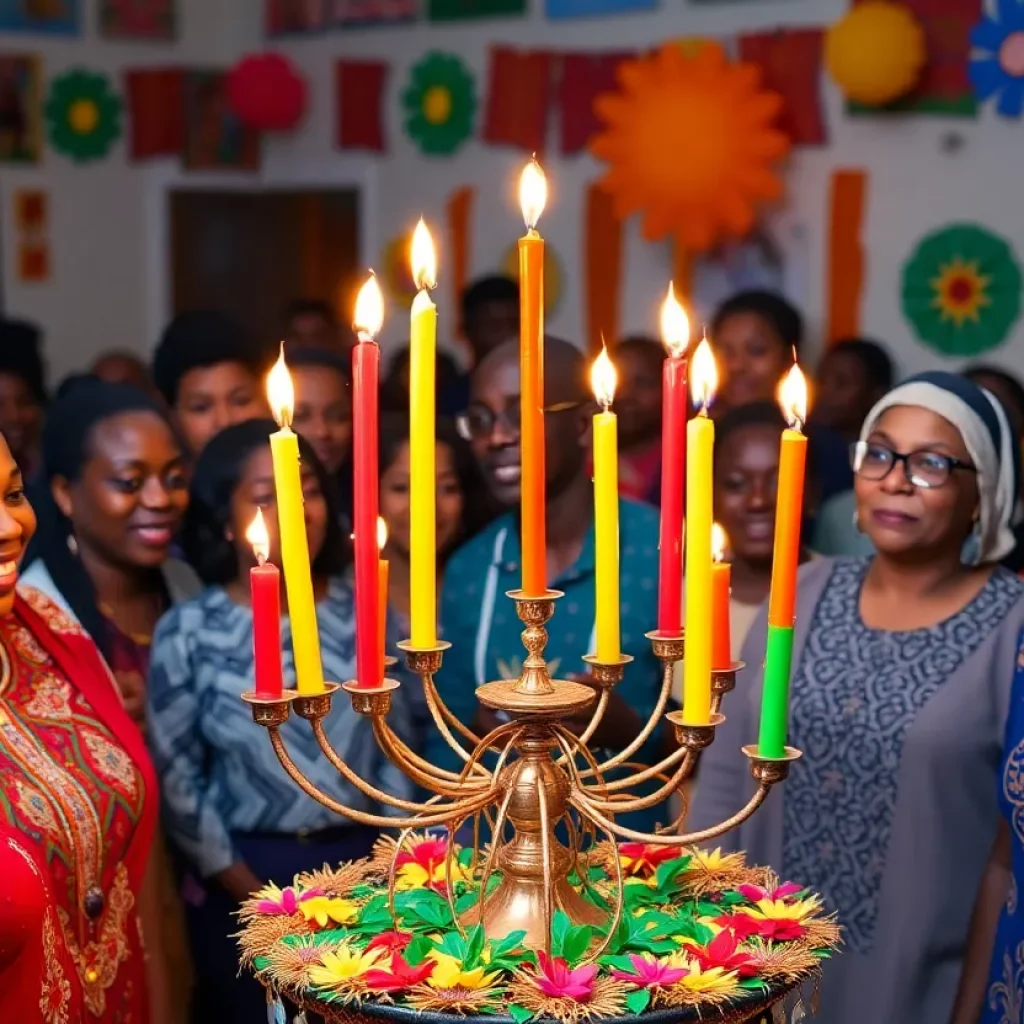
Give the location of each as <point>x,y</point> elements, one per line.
<point>902,666</point>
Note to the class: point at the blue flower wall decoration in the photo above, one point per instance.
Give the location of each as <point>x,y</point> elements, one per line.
<point>998,66</point>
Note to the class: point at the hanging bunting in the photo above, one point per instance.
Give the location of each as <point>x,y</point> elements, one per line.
<point>83,115</point>
<point>293,17</point>
<point>518,98</point>
<point>215,137</point>
<point>585,76</point>
<point>602,261</point>
<point>439,102</point>
<point>21,134</point>
<point>998,68</point>
<point>846,253</point>
<point>58,19</point>
<point>156,123</point>
<point>961,290</point>
<point>137,19</point>
<point>459,213</point>
<point>359,85</point>
<point>790,63</point>
<point>559,9</point>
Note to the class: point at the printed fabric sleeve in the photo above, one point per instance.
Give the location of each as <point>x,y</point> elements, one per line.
<point>191,813</point>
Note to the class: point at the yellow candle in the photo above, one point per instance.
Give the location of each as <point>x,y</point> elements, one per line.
<point>422,444</point>
<point>606,511</point>
<point>700,442</point>
<point>291,525</point>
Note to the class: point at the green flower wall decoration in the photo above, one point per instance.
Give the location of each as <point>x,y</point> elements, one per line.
<point>439,101</point>
<point>961,290</point>
<point>83,115</point>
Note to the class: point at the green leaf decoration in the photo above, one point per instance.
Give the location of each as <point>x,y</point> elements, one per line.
<point>961,290</point>
<point>576,944</point>
<point>417,950</point>
<point>520,1014</point>
<point>464,902</point>
<point>83,115</point>
<point>668,871</point>
<point>454,945</point>
<point>475,942</point>
<point>439,102</point>
<point>638,1000</point>
<point>560,928</point>
<point>753,985</point>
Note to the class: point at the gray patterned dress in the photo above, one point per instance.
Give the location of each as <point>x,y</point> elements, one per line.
<point>892,811</point>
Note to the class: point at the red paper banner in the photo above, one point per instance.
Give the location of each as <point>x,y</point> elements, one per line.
<point>360,94</point>
<point>584,76</point>
<point>156,112</point>
<point>518,98</point>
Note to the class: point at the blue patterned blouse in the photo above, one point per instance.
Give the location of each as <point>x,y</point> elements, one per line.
<point>218,772</point>
<point>1005,1001</point>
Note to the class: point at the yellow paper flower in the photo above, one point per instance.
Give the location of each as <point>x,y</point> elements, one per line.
<point>329,908</point>
<point>449,974</point>
<point>418,876</point>
<point>713,980</point>
<point>780,910</point>
<point>344,966</point>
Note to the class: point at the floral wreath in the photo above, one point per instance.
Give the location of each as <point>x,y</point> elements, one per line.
<point>699,932</point>
<point>999,66</point>
<point>440,101</point>
<point>83,115</point>
<point>961,290</point>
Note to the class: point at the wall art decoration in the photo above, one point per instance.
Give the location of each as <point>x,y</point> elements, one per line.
<point>20,108</point>
<point>215,137</point>
<point>997,69</point>
<point>138,19</point>
<point>472,10</point>
<point>518,98</point>
<point>53,17</point>
<point>156,112</point>
<point>713,110</point>
<point>268,92</point>
<point>458,216</point>
<point>961,290</point>
<point>83,115</point>
<point>585,76</point>
<point>357,13</point>
<point>294,17</point>
<point>359,85</point>
<point>32,226</point>
<point>440,103</point>
<point>846,253</point>
<point>561,9</point>
<point>790,62</point>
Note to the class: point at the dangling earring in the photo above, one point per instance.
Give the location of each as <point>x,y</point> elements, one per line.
<point>72,545</point>
<point>856,521</point>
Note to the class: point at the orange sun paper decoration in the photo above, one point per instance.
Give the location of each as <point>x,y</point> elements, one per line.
<point>690,142</point>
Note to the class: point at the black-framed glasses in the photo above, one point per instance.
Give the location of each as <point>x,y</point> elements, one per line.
<point>479,421</point>
<point>923,468</point>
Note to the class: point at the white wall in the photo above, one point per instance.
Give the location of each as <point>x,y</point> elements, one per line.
<point>110,282</point>
<point>100,293</point>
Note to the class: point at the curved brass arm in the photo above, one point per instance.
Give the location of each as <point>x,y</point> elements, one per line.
<point>652,772</point>
<point>583,805</point>
<point>641,803</point>
<point>455,809</point>
<point>437,707</point>
<point>362,817</point>
<point>437,780</point>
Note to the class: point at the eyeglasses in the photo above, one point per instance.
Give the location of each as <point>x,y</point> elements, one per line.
<point>479,421</point>
<point>923,468</point>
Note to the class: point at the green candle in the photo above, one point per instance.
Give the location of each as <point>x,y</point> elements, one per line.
<point>771,741</point>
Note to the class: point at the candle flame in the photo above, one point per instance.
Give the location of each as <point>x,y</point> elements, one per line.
<point>533,193</point>
<point>603,379</point>
<point>675,327</point>
<point>703,375</point>
<point>719,542</point>
<point>793,397</point>
<point>258,537</point>
<point>423,257</point>
<point>369,316</point>
<point>281,392</point>
<point>382,533</point>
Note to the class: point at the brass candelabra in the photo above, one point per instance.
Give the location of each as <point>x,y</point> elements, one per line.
<point>545,773</point>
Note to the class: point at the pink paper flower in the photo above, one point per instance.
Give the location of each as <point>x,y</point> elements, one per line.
<point>755,893</point>
<point>271,900</point>
<point>649,972</point>
<point>557,980</point>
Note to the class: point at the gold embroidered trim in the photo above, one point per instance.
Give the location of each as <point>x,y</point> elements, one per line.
<point>55,617</point>
<point>56,991</point>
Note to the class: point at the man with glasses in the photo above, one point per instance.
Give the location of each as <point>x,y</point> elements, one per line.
<point>475,613</point>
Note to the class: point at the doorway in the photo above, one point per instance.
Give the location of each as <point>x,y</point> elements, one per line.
<point>249,253</point>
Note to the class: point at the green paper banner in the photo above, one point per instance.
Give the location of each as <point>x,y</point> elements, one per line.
<point>771,741</point>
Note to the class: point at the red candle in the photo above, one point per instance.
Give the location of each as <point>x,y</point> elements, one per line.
<point>265,588</point>
<point>675,332</point>
<point>365,383</point>
<point>721,581</point>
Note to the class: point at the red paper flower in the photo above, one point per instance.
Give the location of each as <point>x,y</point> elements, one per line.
<point>741,925</point>
<point>641,859</point>
<point>267,92</point>
<point>402,975</point>
<point>557,980</point>
<point>393,942</point>
<point>723,951</point>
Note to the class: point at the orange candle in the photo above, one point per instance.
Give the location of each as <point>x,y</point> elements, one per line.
<point>790,500</point>
<point>532,196</point>
<point>383,571</point>
<point>721,579</point>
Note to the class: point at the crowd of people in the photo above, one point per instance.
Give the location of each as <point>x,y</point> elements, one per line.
<point>134,785</point>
